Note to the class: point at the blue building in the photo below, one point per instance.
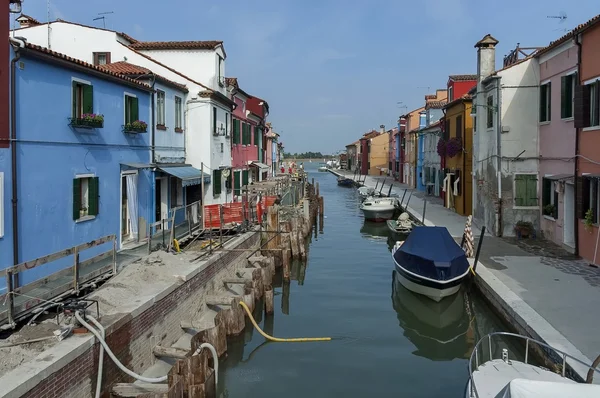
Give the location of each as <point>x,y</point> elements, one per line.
<point>80,134</point>
<point>175,183</point>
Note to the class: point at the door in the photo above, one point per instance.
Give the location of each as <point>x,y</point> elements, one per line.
<point>157,196</point>
<point>125,226</point>
<point>569,215</point>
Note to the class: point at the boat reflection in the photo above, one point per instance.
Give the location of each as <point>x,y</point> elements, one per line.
<point>374,231</point>
<point>440,331</point>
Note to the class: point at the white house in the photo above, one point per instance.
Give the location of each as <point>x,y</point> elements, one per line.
<point>206,108</point>
<point>505,141</point>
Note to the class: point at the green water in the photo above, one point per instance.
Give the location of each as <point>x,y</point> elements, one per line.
<point>387,342</point>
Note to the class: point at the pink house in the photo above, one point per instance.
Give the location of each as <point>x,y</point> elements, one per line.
<point>557,137</point>
<point>246,140</point>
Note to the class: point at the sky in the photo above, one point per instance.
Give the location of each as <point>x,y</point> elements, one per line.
<point>332,70</point>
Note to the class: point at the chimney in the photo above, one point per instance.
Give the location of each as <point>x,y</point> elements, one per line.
<point>486,56</point>
<point>382,129</point>
<point>26,21</point>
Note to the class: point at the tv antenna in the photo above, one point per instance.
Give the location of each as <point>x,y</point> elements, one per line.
<point>102,17</point>
<point>562,16</point>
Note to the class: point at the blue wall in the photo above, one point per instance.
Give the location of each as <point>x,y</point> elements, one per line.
<point>51,154</point>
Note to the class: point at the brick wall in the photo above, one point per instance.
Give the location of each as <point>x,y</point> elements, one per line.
<point>132,338</point>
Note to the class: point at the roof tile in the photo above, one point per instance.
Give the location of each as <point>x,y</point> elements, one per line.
<point>462,78</point>
<point>177,45</point>
<point>131,70</point>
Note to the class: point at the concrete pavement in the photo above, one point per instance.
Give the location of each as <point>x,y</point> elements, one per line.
<point>552,298</point>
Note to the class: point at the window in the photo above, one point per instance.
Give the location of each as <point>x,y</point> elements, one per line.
<point>459,129</point>
<point>214,120</point>
<point>549,198</point>
<point>221,72</point>
<point>567,91</point>
<point>246,134</point>
<point>160,108</point>
<point>178,114</point>
<point>587,105</point>
<point>226,124</point>
<point>101,58</point>
<point>490,112</point>
<point>1,204</point>
<point>244,178</point>
<point>131,109</point>
<point>526,190</point>
<point>176,193</point>
<point>236,182</point>
<point>83,99</point>
<point>85,197</point>
<point>216,182</point>
<point>588,197</point>
<point>256,135</point>
<point>222,147</point>
<point>545,102</point>
<point>236,131</point>
<point>450,94</point>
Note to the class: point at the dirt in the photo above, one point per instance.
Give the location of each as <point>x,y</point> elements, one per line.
<point>12,357</point>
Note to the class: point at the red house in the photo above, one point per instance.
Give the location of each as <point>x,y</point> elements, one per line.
<point>260,107</point>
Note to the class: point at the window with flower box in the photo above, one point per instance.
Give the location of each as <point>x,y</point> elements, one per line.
<point>132,111</point>
<point>86,198</point>
<point>82,112</point>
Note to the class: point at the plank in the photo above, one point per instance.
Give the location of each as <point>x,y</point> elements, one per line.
<point>133,390</point>
<point>170,352</point>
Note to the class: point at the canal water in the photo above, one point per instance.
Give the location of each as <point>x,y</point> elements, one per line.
<point>387,342</point>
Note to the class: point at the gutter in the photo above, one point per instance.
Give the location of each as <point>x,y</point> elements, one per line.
<point>577,133</point>
<point>13,137</point>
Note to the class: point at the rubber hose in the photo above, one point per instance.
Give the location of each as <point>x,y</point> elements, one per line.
<point>100,357</point>
<point>271,338</point>
<point>215,357</point>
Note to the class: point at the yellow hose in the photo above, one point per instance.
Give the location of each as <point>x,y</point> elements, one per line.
<point>176,244</point>
<point>472,270</point>
<point>271,338</point>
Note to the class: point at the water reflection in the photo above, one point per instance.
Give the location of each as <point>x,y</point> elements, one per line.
<point>440,331</point>
<point>374,230</point>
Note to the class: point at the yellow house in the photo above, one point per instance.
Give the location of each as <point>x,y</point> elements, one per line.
<point>458,182</point>
<point>410,146</point>
<point>379,153</point>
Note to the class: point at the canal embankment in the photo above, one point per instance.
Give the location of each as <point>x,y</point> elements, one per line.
<point>540,297</point>
<point>159,310</point>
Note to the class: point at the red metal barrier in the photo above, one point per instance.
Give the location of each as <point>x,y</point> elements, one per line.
<point>212,216</point>
<point>269,200</point>
<point>233,213</point>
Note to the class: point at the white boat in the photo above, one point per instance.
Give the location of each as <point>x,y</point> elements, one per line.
<point>510,378</point>
<point>430,262</point>
<point>379,209</point>
<point>365,192</point>
<point>322,167</point>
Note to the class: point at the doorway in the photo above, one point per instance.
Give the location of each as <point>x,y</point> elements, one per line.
<point>129,207</point>
<point>160,200</point>
<point>569,215</point>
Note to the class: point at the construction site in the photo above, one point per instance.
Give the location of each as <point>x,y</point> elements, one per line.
<point>154,321</point>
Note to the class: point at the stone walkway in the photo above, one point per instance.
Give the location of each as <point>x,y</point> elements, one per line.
<point>562,289</point>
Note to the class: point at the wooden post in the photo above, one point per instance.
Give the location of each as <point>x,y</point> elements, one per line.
<point>321,214</point>
<point>286,266</point>
<point>317,188</point>
<point>269,300</point>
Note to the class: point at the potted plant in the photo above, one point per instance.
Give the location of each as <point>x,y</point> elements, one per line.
<point>135,127</point>
<point>88,120</point>
<point>524,229</point>
<point>588,221</point>
<point>453,147</point>
<point>441,147</point>
<point>549,210</point>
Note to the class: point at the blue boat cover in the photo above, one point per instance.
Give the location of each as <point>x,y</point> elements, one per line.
<point>432,252</point>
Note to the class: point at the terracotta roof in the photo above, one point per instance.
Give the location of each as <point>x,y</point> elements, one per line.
<point>570,35</point>
<point>133,71</point>
<point>78,62</point>
<point>430,96</point>
<point>465,97</point>
<point>177,45</point>
<point>435,104</point>
<point>232,81</point>
<point>31,20</point>
<point>462,78</point>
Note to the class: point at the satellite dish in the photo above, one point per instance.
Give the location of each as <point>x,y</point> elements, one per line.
<point>226,173</point>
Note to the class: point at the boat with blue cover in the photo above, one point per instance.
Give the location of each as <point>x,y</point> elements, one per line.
<point>345,182</point>
<point>430,262</point>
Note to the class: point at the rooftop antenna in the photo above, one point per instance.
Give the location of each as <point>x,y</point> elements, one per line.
<point>48,24</point>
<point>102,17</point>
<point>562,16</point>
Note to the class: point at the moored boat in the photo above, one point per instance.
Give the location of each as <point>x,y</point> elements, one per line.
<point>379,209</point>
<point>402,226</point>
<point>322,167</point>
<point>345,182</point>
<point>511,378</point>
<point>430,262</point>
<point>365,192</point>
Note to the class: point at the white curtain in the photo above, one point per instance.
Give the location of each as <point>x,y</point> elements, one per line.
<point>132,203</point>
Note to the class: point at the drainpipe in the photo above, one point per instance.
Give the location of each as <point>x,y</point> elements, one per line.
<point>464,157</point>
<point>499,155</point>
<point>13,139</point>
<point>577,132</point>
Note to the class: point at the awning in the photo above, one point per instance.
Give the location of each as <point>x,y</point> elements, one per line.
<point>187,174</point>
<point>259,165</point>
<point>138,165</point>
<point>557,177</point>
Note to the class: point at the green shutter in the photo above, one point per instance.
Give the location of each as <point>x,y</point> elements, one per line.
<point>88,98</point>
<point>520,190</point>
<point>76,198</point>
<point>531,198</point>
<point>214,119</point>
<point>236,131</point>
<point>94,197</point>
<point>236,182</point>
<point>543,103</point>
<point>244,177</point>
<point>74,99</point>
<point>549,96</point>
<point>256,133</point>
<point>135,110</point>
<point>563,96</point>
<point>216,182</point>
<point>243,133</point>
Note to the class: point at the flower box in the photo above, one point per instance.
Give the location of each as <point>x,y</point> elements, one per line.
<point>135,127</point>
<point>87,121</point>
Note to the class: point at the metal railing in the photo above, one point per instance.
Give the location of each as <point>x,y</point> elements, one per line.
<point>182,222</point>
<point>488,338</point>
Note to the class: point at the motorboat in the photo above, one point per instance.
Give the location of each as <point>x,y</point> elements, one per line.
<point>502,377</point>
<point>402,226</point>
<point>365,192</point>
<point>430,262</point>
<point>322,167</point>
<point>379,209</point>
<point>345,182</point>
